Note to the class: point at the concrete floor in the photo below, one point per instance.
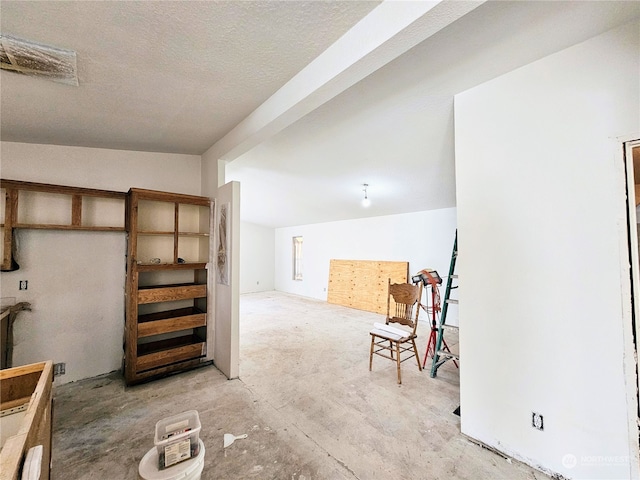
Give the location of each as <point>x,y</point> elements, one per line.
<point>305,397</point>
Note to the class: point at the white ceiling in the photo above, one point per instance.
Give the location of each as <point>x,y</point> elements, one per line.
<point>166,76</point>
<point>182,76</point>
<point>394,129</point>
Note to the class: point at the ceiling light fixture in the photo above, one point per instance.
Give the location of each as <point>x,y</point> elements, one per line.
<point>365,201</point>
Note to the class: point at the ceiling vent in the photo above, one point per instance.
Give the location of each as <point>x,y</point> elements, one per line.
<point>36,60</point>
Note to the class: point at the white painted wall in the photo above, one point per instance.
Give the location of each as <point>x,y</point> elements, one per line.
<point>257,264</point>
<point>541,224</point>
<point>424,239</point>
<point>76,279</point>
<point>212,174</point>
<point>227,295</point>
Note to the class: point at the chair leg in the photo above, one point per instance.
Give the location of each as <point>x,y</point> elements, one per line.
<point>391,349</point>
<point>415,350</point>
<point>398,362</point>
<point>371,352</point>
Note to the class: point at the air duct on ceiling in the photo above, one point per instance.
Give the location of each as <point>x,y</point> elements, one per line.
<point>36,60</point>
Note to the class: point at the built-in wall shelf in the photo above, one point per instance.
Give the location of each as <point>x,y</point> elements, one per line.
<point>167,325</point>
<point>42,206</point>
<point>167,320</point>
<point>169,352</point>
<point>170,321</point>
<point>170,293</point>
<point>53,226</point>
<point>156,233</point>
<point>150,267</point>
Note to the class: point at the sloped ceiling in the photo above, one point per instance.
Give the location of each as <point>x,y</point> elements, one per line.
<point>394,130</point>
<point>181,76</point>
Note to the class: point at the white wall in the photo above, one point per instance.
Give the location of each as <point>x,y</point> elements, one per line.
<point>257,265</point>
<point>541,222</point>
<point>227,293</point>
<point>424,239</point>
<point>76,279</point>
<point>212,173</point>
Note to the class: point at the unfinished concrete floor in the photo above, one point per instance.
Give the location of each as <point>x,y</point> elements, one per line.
<point>305,397</point>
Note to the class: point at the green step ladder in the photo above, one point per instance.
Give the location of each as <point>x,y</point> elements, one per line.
<point>443,355</point>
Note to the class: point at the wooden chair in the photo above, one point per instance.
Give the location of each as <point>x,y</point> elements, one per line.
<point>390,341</point>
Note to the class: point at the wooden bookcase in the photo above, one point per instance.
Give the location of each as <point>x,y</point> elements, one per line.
<point>167,283</point>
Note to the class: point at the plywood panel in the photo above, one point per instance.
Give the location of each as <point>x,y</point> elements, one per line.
<point>362,284</point>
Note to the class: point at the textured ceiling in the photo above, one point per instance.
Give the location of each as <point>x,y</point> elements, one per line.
<point>179,76</point>
<point>168,76</point>
<point>394,130</point>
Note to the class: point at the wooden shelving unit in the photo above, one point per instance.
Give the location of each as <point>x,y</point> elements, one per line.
<point>167,283</point>
<point>167,325</point>
<point>67,208</point>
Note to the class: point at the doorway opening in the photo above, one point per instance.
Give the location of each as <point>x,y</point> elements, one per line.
<point>631,155</point>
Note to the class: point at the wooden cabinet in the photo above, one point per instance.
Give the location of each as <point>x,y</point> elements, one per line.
<point>167,304</point>
<point>26,406</point>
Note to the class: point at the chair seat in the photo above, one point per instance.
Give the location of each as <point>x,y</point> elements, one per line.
<point>389,332</point>
<point>388,335</point>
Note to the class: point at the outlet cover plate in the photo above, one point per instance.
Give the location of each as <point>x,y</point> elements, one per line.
<point>59,369</point>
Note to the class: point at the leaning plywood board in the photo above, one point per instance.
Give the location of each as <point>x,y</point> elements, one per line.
<point>362,284</point>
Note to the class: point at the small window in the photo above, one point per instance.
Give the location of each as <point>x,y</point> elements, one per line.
<point>297,258</point>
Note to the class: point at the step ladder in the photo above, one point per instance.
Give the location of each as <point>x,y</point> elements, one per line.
<point>442,352</point>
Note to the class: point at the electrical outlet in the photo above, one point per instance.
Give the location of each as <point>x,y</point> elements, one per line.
<point>59,369</point>
<point>537,421</point>
<point>23,284</point>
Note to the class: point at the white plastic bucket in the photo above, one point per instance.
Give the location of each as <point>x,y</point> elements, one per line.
<point>178,434</point>
<point>187,470</point>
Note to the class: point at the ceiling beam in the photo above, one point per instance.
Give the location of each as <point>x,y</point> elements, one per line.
<point>384,34</point>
